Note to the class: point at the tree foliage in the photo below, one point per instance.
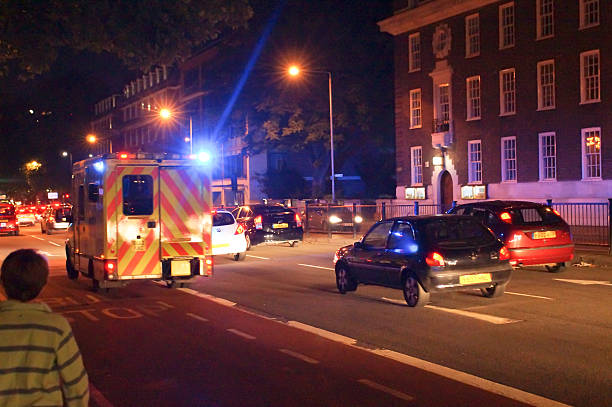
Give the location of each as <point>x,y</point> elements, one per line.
<point>141,33</point>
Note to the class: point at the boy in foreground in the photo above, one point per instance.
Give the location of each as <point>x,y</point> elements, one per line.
<point>40,362</point>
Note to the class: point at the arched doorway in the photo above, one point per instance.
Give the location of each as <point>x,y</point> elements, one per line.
<point>446,191</point>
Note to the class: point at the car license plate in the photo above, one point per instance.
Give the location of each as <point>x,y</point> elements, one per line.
<point>180,268</point>
<point>475,278</point>
<point>280,225</point>
<point>549,234</point>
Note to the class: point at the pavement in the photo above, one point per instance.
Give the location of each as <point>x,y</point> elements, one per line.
<point>583,255</point>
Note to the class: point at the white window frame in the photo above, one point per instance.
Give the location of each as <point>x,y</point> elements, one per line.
<point>582,24</point>
<point>414,52</point>
<point>474,162</point>
<point>507,89</point>
<point>416,166</point>
<point>594,78</point>
<point>444,103</point>
<point>473,99</point>
<point>547,159</point>
<point>591,160</point>
<point>416,111</point>
<point>507,29</point>
<point>508,159</point>
<point>542,17</point>
<point>472,35</point>
<point>546,81</point>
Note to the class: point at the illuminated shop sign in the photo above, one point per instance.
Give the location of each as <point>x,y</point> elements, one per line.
<point>474,192</point>
<point>415,193</point>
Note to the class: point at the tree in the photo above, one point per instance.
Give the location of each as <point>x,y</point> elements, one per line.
<point>142,33</point>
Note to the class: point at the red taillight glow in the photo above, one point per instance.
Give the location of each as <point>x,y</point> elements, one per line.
<point>506,217</point>
<point>123,156</point>
<point>209,266</point>
<point>504,253</point>
<point>110,266</point>
<point>258,222</point>
<point>556,212</point>
<point>298,220</point>
<point>435,259</point>
<point>239,229</point>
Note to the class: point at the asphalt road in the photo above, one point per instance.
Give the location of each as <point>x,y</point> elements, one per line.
<point>546,340</point>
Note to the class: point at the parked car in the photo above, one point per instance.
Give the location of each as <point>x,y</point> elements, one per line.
<point>8,220</point>
<point>425,254</point>
<point>270,224</point>
<point>534,233</point>
<point>55,219</point>
<point>334,218</point>
<point>228,236</point>
<point>26,216</point>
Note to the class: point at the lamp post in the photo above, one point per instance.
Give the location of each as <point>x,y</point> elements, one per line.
<point>69,155</point>
<point>294,71</point>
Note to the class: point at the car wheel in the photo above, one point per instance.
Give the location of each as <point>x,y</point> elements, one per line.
<point>49,231</point>
<point>344,280</point>
<point>495,291</point>
<point>239,256</point>
<point>414,294</point>
<point>555,268</point>
<point>248,240</point>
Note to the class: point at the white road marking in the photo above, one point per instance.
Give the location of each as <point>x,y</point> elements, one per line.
<point>240,333</point>
<point>98,397</point>
<point>299,356</point>
<point>36,237</point>
<point>54,244</point>
<point>585,282</point>
<point>258,257</point>
<point>199,318</point>
<point>529,295</point>
<point>386,389</point>
<point>48,254</point>
<point>394,301</point>
<point>316,267</point>
<point>456,375</point>
<point>483,317</point>
<point>208,297</point>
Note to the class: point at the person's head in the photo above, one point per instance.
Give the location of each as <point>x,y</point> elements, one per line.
<point>24,274</point>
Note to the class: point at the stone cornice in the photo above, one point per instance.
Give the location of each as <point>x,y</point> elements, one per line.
<point>429,13</point>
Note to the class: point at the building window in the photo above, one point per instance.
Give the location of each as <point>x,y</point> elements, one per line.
<point>508,156</point>
<point>472,86</point>
<point>444,103</point>
<point>472,36</point>
<point>416,159</point>
<point>415,108</point>
<point>414,52</point>
<point>589,77</point>
<point>474,162</point>
<point>591,153</point>
<point>548,157</point>
<point>545,21</point>
<point>546,85</point>
<point>506,25</point>
<point>507,92</point>
<point>589,13</point>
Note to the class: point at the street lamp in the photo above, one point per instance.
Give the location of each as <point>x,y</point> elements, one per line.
<point>68,154</point>
<point>295,71</point>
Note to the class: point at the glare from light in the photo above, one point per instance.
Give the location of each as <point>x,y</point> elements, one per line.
<point>294,70</point>
<point>358,219</point>
<point>334,219</point>
<point>91,138</point>
<point>165,113</point>
<point>99,166</point>
<point>187,139</point>
<point>90,155</point>
<point>31,111</point>
<point>437,160</point>
<point>204,156</point>
<point>64,153</point>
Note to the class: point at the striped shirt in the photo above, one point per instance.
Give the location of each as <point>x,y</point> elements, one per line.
<point>40,362</point>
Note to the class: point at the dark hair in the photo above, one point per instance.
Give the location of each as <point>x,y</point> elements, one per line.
<point>24,274</point>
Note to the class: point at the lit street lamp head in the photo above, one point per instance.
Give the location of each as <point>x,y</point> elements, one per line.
<point>165,113</point>
<point>294,70</point>
<point>91,138</point>
<point>64,153</point>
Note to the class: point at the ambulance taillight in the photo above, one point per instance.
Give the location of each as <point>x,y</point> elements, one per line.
<point>110,268</point>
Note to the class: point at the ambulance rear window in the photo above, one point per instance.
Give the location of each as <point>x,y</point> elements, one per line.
<point>137,195</point>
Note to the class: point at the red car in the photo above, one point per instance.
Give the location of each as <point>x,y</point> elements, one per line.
<point>534,233</point>
<point>8,220</point>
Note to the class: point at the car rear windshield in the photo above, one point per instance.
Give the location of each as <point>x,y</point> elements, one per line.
<point>456,232</point>
<point>62,213</point>
<point>534,216</point>
<point>272,209</point>
<point>7,211</point>
<point>222,219</point>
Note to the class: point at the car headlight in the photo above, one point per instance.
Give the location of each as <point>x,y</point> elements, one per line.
<point>334,219</point>
<point>358,219</point>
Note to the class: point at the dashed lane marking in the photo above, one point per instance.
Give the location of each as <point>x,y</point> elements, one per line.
<point>36,237</point>
<point>482,317</point>
<point>54,244</point>
<point>299,356</point>
<point>258,257</point>
<point>199,318</point>
<point>394,301</point>
<point>242,334</point>
<point>529,295</point>
<point>385,389</point>
<point>208,297</point>
<point>316,267</point>
<point>585,282</point>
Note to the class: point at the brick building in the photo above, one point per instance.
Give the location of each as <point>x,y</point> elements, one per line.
<point>502,99</point>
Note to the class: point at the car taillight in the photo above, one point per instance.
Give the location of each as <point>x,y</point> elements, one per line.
<point>258,222</point>
<point>298,220</point>
<point>110,267</point>
<point>51,219</point>
<point>506,217</point>
<point>239,229</point>
<point>504,253</point>
<point>556,212</point>
<point>209,266</point>
<point>435,259</point>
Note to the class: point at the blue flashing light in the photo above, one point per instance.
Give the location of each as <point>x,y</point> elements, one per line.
<point>99,166</point>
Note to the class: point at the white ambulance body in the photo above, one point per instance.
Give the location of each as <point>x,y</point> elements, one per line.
<point>140,216</point>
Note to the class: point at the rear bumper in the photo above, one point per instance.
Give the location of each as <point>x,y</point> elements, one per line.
<point>541,255</point>
<point>237,245</point>
<point>438,281</point>
<point>59,226</point>
<point>265,237</point>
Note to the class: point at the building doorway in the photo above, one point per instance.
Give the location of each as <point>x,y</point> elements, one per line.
<point>446,191</point>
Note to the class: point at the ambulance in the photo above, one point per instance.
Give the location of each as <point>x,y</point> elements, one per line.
<point>140,216</point>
